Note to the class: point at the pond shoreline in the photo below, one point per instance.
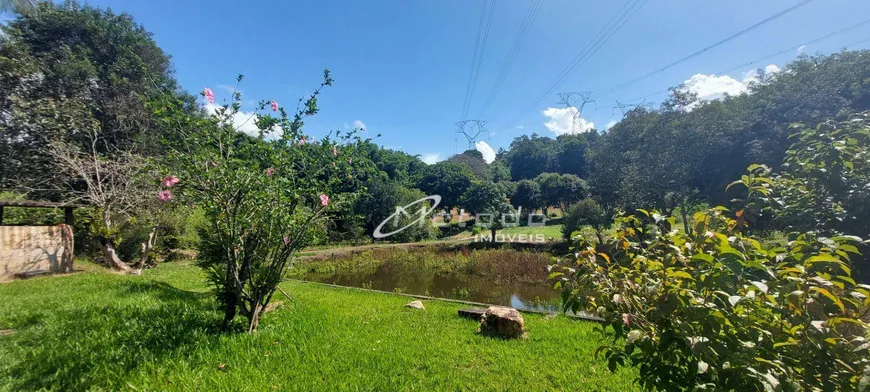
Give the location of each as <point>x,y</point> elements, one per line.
<point>585,317</point>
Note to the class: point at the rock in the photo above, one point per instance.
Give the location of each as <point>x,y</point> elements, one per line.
<point>505,323</point>
<point>415,305</point>
<point>472,313</point>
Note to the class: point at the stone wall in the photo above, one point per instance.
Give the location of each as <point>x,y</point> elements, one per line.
<point>35,248</point>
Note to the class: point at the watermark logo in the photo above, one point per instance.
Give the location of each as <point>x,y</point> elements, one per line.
<point>483,221</point>
<point>403,211</point>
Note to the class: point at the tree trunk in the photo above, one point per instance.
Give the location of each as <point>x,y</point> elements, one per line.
<point>683,213</point>
<point>108,247</point>
<point>257,311</point>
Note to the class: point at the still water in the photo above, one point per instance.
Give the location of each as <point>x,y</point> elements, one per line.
<point>449,285</point>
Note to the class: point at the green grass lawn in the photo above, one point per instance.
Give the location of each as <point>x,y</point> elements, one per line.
<point>100,331</point>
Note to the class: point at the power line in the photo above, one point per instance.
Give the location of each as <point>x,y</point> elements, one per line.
<point>792,48</point>
<point>471,129</point>
<point>520,38</point>
<point>625,13</point>
<point>698,53</point>
<point>479,50</point>
<point>480,25</point>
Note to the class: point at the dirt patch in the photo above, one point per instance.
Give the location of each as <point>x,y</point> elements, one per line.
<point>5,332</point>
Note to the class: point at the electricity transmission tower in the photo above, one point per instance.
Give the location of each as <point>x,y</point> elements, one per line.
<point>627,107</point>
<point>471,129</point>
<point>578,101</point>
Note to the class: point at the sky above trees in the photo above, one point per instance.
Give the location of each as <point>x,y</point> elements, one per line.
<point>402,68</point>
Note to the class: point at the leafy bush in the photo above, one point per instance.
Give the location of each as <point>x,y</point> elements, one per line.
<point>264,198</point>
<point>824,185</point>
<point>717,309</point>
<point>586,212</point>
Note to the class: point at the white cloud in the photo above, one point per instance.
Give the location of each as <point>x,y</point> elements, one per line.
<point>486,150</point>
<point>357,124</point>
<point>245,122</point>
<point>712,87</point>
<point>562,121</point>
<point>431,158</point>
<point>520,126</point>
<point>802,49</point>
<point>610,124</point>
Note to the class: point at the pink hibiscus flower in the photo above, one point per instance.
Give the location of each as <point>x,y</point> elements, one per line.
<point>164,195</point>
<point>274,106</point>
<point>324,200</point>
<point>302,141</point>
<point>334,151</point>
<point>169,181</point>
<point>208,94</point>
<point>286,241</point>
<point>269,172</point>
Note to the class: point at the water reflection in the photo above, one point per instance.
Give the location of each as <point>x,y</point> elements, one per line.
<point>393,277</point>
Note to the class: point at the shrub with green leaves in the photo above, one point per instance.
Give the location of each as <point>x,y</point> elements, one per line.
<point>586,212</point>
<point>717,309</point>
<point>264,197</point>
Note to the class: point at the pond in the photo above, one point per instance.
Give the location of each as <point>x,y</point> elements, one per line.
<point>507,278</point>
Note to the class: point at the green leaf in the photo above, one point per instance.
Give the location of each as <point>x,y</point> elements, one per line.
<point>761,286</point>
<point>830,296</point>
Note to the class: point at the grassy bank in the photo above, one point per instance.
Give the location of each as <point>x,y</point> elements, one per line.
<point>101,331</point>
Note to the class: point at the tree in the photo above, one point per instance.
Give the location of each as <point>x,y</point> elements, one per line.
<point>571,154</point>
<point>529,156</point>
<point>447,179</point>
<point>473,159</point>
<point>119,187</point>
<point>260,211</point>
<point>823,186</point>
<point>486,198</point>
<point>527,197</point>
<point>499,172</point>
<point>23,7</point>
<point>71,67</point>
<point>586,212</point>
<point>379,202</point>
<point>561,189</point>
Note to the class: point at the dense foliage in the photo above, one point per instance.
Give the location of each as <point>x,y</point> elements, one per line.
<point>719,309</point>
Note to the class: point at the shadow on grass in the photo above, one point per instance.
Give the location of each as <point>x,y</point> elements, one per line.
<point>95,347</point>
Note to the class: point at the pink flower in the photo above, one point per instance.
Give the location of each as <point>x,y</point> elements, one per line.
<point>208,94</point>
<point>169,181</point>
<point>164,195</point>
<point>274,106</point>
<point>269,172</point>
<point>214,164</point>
<point>286,241</point>
<point>324,200</point>
<point>302,141</point>
<point>626,319</point>
<point>334,151</point>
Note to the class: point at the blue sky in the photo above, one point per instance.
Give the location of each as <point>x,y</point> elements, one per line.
<point>401,67</point>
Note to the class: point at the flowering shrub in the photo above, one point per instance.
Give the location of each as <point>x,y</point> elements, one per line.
<point>718,309</point>
<point>264,197</point>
